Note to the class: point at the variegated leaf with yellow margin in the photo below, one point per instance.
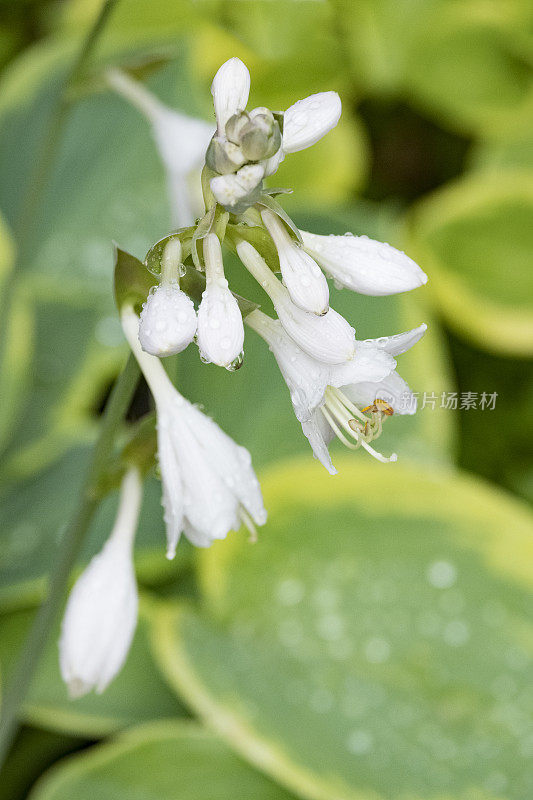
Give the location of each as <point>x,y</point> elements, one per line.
<point>375,643</point>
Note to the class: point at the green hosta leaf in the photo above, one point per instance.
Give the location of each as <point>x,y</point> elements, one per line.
<point>380,621</point>
<point>66,347</point>
<point>458,47</point>
<point>136,695</point>
<point>474,239</point>
<point>34,751</point>
<point>166,760</point>
<point>34,514</point>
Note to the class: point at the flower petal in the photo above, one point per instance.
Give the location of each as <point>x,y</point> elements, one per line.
<point>364,265</point>
<point>400,342</point>
<point>232,462</point>
<point>172,486</point>
<point>314,431</point>
<point>230,90</point>
<point>369,364</point>
<point>308,120</point>
<point>305,377</point>
<point>393,389</point>
<point>231,190</point>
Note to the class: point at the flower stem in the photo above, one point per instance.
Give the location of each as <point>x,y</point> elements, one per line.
<point>68,550</point>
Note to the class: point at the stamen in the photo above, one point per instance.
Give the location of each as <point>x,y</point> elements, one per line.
<point>340,396</point>
<point>249,523</point>
<point>338,431</point>
<point>379,456</point>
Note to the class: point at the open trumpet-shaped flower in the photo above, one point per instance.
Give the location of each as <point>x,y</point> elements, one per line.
<point>101,612</point>
<point>209,485</point>
<point>168,318</point>
<point>364,265</point>
<point>328,338</point>
<point>220,327</point>
<point>349,400</point>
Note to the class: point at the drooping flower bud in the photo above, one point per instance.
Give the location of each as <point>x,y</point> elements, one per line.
<point>220,328</point>
<point>101,612</point>
<point>308,120</point>
<point>168,318</point>
<point>302,276</point>
<point>328,338</point>
<point>364,265</point>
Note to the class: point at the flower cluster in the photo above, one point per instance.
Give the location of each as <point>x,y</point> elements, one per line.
<point>339,385</point>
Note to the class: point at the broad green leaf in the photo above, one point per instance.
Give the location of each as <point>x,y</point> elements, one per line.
<point>380,622</point>
<point>34,513</point>
<point>66,348</point>
<point>167,760</point>
<point>34,750</point>
<point>459,47</point>
<point>137,694</point>
<point>474,239</point>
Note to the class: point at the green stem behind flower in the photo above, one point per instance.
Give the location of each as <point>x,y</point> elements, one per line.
<point>68,550</point>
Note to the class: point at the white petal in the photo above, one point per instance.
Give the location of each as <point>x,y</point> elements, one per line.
<point>99,621</point>
<point>168,321</point>
<point>271,164</point>
<point>329,338</point>
<point>369,364</point>
<point>314,431</point>
<point>308,120</point>
<point>172,487</point>
<point>302,276</point>
<point>208,504</point>
<point>220,327</point>
<point>230,90</point>
<point>305,377</point>
<point>230,190</point>
<point>400,342</point>
<point>393,389</point>
<point>364,265</point>
<point>232,463</point>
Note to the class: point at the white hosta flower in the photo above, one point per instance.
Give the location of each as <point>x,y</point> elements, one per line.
<point>209,485</point>
<point>181,141</point>
<point>364,265</point>
<point>302,276</point>
<point>308,120</point>
<point>331,400</point>
<point>328,338</point>
<point>230,90</point>
<point>101,612</point>
<point>220,328</point>
<point>235,188</point>
<point>168,318</point>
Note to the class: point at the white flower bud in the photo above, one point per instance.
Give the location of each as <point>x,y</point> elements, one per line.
<point>238,190</point>
<point>308,120</point>
<point>230,90</point>
<point>168,318</point>
<point>168,321</point>
<point>329,338</point>
<point>101,612</point>
<point>302,276</point>
<point>220,328</point>
<point>364,265</point>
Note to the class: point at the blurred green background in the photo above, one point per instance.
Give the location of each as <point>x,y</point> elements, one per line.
<point>378,641</point>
